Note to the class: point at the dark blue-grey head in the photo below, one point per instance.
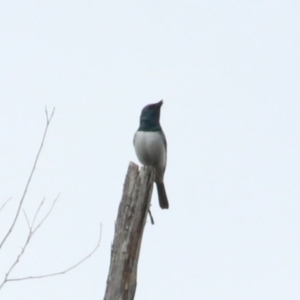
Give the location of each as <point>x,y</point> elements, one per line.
<point>149,120</point>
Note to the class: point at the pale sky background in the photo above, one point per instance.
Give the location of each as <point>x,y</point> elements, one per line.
<point>228,72</point>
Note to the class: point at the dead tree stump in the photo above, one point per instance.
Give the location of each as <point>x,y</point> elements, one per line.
<point>129,228</point>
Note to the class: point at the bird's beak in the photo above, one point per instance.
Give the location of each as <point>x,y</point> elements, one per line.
<point>160,103</point>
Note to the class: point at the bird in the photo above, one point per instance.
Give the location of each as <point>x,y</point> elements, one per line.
<point>150,145</point>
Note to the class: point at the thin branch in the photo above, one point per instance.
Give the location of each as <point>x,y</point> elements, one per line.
<point>3,205</point>
<point>37,212</point>
<point>46,216</point>
<point>31,232</point>
<point>27,220</point>
<point>46,111</point>
<point>151,217</point>
<point>16,261</point>
<point>30,177</point>
<point>63,271</point>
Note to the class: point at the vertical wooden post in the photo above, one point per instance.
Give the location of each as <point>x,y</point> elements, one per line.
<point>129,228</point>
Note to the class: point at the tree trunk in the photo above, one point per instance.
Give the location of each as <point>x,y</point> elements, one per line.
<point>129,228</point>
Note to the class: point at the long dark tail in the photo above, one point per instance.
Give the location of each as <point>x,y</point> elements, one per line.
<point>162,196</point>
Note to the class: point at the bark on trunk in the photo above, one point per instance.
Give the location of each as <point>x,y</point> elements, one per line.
<point>129,228</point>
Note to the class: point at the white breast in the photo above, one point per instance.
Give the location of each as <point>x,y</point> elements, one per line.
<point>150,148</point>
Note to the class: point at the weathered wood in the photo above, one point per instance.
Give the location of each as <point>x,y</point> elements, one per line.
<point>129,228</point>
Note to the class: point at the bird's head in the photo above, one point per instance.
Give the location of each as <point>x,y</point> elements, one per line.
<point>149,120</point>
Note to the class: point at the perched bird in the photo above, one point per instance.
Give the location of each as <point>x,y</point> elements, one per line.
<point>151,147</point>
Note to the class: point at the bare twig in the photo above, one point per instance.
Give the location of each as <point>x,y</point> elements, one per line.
<point>16,261</point>
<point>32,227</point>
<point>38,210</point>
<point>31,232</point>
<point>63,271</point>
<point>27,220</point>
<point>151,217</point>
<point>48,120</point>
<point>46,216</point>
<point>3,205</point>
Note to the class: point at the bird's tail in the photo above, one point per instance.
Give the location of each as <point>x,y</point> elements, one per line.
<point>162,196</point>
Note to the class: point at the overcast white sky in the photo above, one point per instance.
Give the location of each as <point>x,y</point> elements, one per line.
<point>228,72</point>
